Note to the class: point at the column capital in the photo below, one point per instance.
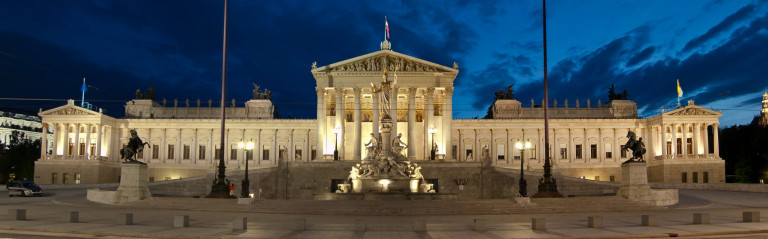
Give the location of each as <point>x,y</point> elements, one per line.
<point>449,90</point>
<point>357,91</point>
<point>320,91</point>
<point>412,91</point>
<point>338,89</point>
<point>430,91</point>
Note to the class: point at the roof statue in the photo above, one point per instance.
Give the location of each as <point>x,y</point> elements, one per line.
<point>613,96</point>
<point>257,94</point>
<point>509,95</point>
<point>148,96</point>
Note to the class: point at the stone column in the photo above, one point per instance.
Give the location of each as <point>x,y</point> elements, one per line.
<point>585,150</point>
<point>163,146</point>
<point>274,148</point>
<point>258,149</point>
<point>412,123</point>
<point>65,142</point>
<point>193,148</point>
<point>507,150</point>
<point>320,122</point>
<point>600,146</point>
<point>88,141</point>
<point>393,111</point>
<point>376,118</point>
<point>358,125</point>
<point>77,140</point>
<point>616,149</point>
<point>178,148</point>
<point>44,141</point>
<point>554,160</point>
<point>706,139</point>
<point>571,156</point>
<point>685,140</point>
<point>448,125</point>
<point>716,139</point>
<point>56,138</point>
<point>695,140</point>
<point>290,157</point>
<point>305,154</point>
<point>211,149</point>
<point>462,151</point>
<point>428,115</point>
<point>491,148</point>
<point>241,160</point>
<point>340,114</point>
<point>540,148</point>
<point>476,151</point>
<point>664,150</point>
<point>146,151</point>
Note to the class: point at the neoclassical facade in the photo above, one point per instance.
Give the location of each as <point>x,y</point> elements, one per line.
<point>184,137</point>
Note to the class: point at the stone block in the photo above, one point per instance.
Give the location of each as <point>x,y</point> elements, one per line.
<point>420,225</point>
<point>240,223</point>
<point>539,224</point>
<point>125,219</point>
<point>18,214</point>
<point>181,221</point>
<point>359,225</point>
<point>245,201</point>
<point>701,218</point>
<point>649,220</point>
<point>301,224</point>
<point>753,216</point>
<point>595,222</point>
<point>481,224</point>
<point>74,217</point>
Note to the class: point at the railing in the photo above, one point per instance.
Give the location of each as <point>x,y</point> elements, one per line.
<point>76,157</point>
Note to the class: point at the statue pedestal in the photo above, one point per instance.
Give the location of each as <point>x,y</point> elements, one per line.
<point>634,186</point>
<point>133,186</point>
<point>415,185</point>
<point>357,185</point>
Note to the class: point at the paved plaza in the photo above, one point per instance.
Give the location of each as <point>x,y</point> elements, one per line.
<point>49,217</point>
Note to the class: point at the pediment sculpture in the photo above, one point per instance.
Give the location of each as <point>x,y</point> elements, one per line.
<point>692,111</point>
<point>70,111</point>
<point>395,64</point>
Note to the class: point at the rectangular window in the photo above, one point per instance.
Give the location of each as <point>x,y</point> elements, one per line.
<point>613,178</point>
<point>265,154</point>
<point>685,177</point>
<point>669,147</point>
<point>155,151</point>
<point>201,152</point>
<point>593,151</point>
<point>92,149</point>
<point>679,146</point>
<point>249,154</point>
<point>151,179</point>
<point>608,155</point>
<point>695,177</point>
<point>563,153</point>
<point>65,178</point>
<point>140,155</point>
<point>81,150</point>
<point>469,156</point>
<point>233,152</point>
<point>170,151</point>
<point>77,178</point>
<point>455,150</point>
<point>578,151</point>
<point>623,153</point>
<point>186,151</point>
<point>167,178</point>
<point>54,178</point>
<point>689,145</point>
<point>597,178</point>
<point>71,149</point>
<point>217,153</point>
<point>313,154</point>
<point>706,177</point>
<point>298,154</point>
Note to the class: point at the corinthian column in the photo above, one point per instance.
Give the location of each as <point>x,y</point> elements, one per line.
<point>340,113</point>
<point>393,112</point>
<point>320,122</point>
<point>447,124</point>
<point>376,119</point>
<point>411,123</point>
<point>358,125</point>
<point>428,114</point>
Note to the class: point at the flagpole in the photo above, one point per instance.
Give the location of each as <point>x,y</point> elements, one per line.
<point>82,89</point>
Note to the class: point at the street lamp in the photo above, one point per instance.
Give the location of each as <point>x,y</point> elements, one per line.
<point>432,132</point>
<point>245,192</point>
<point>522,147</point>
<point>336,132</point>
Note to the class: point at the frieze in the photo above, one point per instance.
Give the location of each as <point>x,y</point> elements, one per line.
<point>692,111</point>
<point>70,111</point>
<point>376,63</point>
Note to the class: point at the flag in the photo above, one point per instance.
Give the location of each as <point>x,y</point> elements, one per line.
<point>679,90</point>
<point>386,26</point>
<point>85,87</point>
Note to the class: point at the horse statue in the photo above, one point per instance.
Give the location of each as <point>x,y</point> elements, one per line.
<point>134,146</point>
<point>637,147</point>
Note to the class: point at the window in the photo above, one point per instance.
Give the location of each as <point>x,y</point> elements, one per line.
<point>623,153</point>
<point>233,152</point>
<point>608,155</point>
<point>92,149</point>
<point>613,178</point>
<point>685,177</point>
<point>689,145</point>
<point>249,154</point>
<point>695,177</point>
<point>593,151</point>
<point>77,178</point>
<point>313,154</point>
<point>669,147</point>
<point>65,178</point>
<point>597,178</point>
<point>679,146</point>
<point>578,151</point>
<point>298,154</point>
<point>140,155</point>
<point>151,179</point>
<point>265,154</point>
<point>170,151</point>
<point>155,151</point>
<point>469,156</point>
<point>167,178</point>
<point>71,149</point>
<point>81,149</point>
<point>54,178</point>
<point>201,152</point>
<point>563,153</point>
<point>217,153</point>
<point>706,177</point>
<point>186,151</point>
<point>455,149</point>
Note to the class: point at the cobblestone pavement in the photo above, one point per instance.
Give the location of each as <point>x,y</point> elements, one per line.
<point>48,217</point>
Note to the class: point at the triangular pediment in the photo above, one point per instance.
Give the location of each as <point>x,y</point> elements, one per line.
<point>693,110</point>
<point>68,110</point>
<point>374,62</point>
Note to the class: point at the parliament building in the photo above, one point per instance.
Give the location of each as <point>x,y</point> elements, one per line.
<point>586,138</point>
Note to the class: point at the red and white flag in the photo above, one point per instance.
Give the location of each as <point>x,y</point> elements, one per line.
<point>386,26</point>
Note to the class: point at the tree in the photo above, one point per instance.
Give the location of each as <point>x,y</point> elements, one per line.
<point>745,154</point>
<point>18,156</point>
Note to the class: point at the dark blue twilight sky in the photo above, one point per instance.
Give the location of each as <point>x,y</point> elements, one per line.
<point>717,48</point>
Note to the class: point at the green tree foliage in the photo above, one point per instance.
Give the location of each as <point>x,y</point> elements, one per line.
<point>18,157</point>
<point>745,152</point>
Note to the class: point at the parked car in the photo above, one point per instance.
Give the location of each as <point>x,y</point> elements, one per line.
<point>24,188</point>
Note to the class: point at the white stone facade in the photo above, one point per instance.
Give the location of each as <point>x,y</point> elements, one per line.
<point>586,140</point>
<point>21,121</point>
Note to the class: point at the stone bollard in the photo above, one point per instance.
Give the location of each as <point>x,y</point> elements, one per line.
<point>181,221</point>
<point>595,222</point>
<point>701,218</point>
<point>240,223</point>
<point>301,224</point>
<point>649,220</point>
<point>18,214</point>
<point>420,225</point>
<point>751,216</point>
<point>480,224</point>
<point>74,217</point>
<point>539,224</point>
<point>125,219</point>
<point>359,225</point>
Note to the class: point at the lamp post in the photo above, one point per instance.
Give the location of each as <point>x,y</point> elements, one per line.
<point>432,132</point>
<point>522,147</point>
<point>336,132</point>
<point>246,192</point>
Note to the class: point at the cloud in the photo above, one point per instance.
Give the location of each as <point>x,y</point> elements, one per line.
<point>643,55</point>
<point>732,20</point>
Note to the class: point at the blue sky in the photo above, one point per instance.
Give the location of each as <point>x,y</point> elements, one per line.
<point>716,48</point>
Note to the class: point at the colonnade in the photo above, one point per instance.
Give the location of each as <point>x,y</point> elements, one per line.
<point>668,145</point>
<point>65,134</point>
